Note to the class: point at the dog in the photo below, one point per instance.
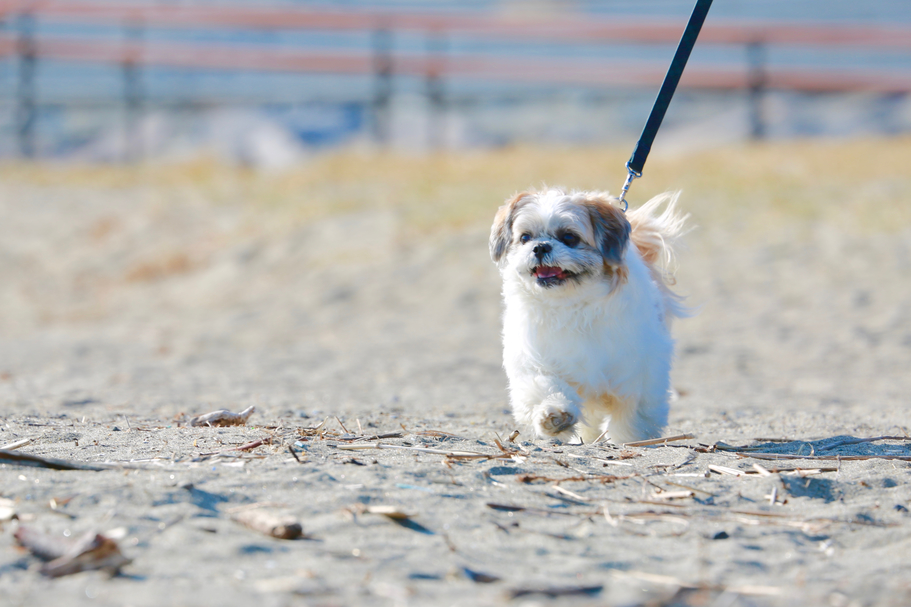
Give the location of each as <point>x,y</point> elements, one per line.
<point>588,307</point>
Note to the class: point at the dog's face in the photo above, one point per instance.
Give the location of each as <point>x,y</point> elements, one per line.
<point>554,239</point>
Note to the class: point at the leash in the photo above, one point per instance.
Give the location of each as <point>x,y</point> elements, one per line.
<point>636,162</point>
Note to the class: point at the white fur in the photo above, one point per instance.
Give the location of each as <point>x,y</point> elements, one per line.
<point>595,354</point>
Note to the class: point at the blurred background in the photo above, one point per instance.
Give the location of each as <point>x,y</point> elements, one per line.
<point>268,83</point>
<point>287,204</point>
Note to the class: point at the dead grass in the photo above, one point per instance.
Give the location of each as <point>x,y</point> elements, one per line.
<point>860,185</point>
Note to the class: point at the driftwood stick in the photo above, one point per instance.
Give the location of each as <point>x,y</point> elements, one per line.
<point>269,523</point>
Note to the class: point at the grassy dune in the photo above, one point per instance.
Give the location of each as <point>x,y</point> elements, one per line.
<point>860,185</point>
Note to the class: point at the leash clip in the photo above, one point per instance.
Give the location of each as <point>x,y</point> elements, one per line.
<point>629,181</point>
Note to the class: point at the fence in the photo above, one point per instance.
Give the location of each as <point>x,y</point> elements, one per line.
<point>134,50</point>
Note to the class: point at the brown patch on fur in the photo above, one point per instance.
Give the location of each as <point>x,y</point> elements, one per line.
<point>611,403</point>
<point>501,231</point>
<point>650,245</point>
<point>612,230</point>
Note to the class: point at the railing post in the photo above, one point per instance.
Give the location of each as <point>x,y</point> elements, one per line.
<point>756,83</point>
<point>436,125</point>
<point>25,94</point>
<point>132,92</point>
<point>382,92</point>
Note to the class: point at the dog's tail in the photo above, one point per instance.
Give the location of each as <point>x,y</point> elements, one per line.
<point>657,237</point>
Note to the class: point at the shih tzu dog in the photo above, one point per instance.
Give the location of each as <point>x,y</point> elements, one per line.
<point>586,329</point>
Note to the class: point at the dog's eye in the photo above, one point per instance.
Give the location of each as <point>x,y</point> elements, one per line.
<point>524,238</point>
<point>569,239</point>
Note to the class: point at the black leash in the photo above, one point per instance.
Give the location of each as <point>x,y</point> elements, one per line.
<point>637,161</point>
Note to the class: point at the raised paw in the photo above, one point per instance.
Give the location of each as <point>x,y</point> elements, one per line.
<point>552,421</point>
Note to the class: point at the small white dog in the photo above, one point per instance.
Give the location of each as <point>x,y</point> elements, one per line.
<point>586,330</point>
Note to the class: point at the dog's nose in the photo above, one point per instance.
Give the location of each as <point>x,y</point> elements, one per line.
<point>542,249</point>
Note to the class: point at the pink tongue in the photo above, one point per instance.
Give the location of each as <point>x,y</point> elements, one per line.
<point>547,272</point>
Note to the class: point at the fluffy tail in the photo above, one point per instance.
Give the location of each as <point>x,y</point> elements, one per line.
<point>657,237</point>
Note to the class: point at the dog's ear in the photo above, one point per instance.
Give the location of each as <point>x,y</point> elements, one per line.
<point>611,229</point>
<point>501,231</point>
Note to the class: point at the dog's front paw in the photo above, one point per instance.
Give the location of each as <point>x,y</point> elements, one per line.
<point>552,421</point>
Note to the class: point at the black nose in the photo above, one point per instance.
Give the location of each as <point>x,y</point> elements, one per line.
<point>542,249</point>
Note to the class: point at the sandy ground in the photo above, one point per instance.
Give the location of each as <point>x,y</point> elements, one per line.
<point>123,315</point>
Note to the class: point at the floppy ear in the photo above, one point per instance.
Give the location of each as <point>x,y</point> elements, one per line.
<point>611,228</point>
<point>501,231</point>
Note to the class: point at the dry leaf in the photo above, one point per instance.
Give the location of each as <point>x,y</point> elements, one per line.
<point>223,417</point>
<point>89,552</point>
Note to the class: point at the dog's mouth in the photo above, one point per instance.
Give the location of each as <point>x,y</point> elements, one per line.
<point>549,276</point>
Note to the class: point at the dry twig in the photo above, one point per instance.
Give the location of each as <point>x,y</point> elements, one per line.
<point>660,441</point>
<point>540,511</point>
<point>225,452</point>
<point>774,456</point>
<point>571,494</point>
<point>726,470</point>
<point>557,591</point>
<point>605,461</point>
<point>269,523</point>
<point>16,444</point>
<point>389,511</point>
<point>602,478</point>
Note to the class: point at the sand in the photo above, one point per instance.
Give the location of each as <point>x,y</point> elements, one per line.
<point>123,315</point>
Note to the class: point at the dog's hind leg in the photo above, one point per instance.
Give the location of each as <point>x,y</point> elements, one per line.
<point>629,424</point>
